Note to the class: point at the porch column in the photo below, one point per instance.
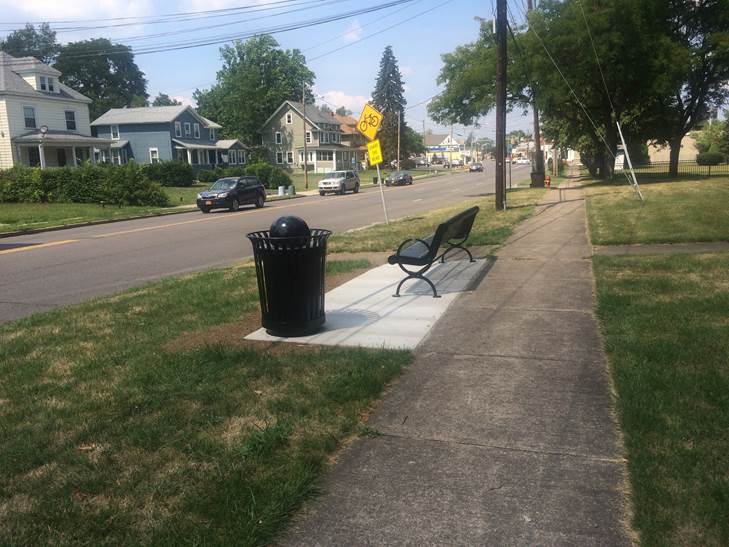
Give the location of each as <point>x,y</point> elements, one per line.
<point>334,159</point>
<point>73,155</point>
<point>189,156</point>
<point>42,154</point>
<point>92,155</point>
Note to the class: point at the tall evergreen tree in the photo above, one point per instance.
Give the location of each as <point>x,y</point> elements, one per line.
<point>388,98</point>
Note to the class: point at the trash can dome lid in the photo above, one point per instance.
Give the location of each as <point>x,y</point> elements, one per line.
<point>290,226</point>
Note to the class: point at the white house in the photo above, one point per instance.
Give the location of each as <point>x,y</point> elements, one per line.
<point>42,121</point>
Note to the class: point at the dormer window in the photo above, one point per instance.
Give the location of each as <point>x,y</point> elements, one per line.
<point>51,87</point>
<point>289,118</point>
<point>212,134</point>
<point>44,83</point>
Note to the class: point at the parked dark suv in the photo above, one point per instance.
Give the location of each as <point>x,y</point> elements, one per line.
<point>231,193</point>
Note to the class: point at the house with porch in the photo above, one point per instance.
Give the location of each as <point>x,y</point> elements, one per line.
<point>43,123</point>
<point>283,135</point>
<point>164,133</point>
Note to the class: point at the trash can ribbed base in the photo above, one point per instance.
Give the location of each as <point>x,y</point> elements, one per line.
<point>291,275</point>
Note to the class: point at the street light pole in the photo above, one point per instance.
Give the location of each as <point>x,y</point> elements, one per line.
<point>306,156</point>
<point>500,181</point>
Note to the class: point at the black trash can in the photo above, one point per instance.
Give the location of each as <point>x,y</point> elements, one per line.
<point>290,272</point>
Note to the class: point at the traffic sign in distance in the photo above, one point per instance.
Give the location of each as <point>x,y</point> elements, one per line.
<point>374,152</point>
<point>369,122</point>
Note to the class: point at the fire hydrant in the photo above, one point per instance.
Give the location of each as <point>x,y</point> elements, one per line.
<point>547,181</point>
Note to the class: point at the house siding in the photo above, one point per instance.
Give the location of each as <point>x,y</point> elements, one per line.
<point>292,136</point>
<point>6,148</point>
<point>142,137</point>
<point>50,113</point>
<point>187,117</point>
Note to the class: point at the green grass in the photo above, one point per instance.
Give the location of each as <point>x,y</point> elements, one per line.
<point>491,227</point>
<point>142,419</point>
<point>673,212</point>
<point>666,330</point>
<point>186,195</point>
<point>30,216</point>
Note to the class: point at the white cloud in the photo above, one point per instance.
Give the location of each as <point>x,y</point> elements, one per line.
<point>355,103</point>
<point>354,32</point>
<point>184,100</point>
<point>407,70</point>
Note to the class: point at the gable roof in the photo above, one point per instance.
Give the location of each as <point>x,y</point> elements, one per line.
<point>313,115</point>
<point>433,139</point>
<point>11,82</point>
<point>149,114</point>
<point>347,123</point>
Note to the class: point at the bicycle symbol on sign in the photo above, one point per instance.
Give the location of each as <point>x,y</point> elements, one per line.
<point>368,121</point>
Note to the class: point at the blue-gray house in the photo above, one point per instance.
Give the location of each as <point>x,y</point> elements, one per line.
<point>163,133</point>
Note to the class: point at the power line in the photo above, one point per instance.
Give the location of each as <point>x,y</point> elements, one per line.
<point>599,66</point>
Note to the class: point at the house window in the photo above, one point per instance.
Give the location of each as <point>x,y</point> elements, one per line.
<point>33,157</point>
<point>212,134</point>
<point>43,83</point>
<point>308,137</point>
<point>335,137</point>
<point>325,138</point>
<point>115,132</point>
<point>153,155</point>
<point>279,157</point>
<point>178,129</point>
<point>324,155</point>
<point>115,156</point>
<point>289,118</point>
<point>278,139</point>
<point>289,157</point>
<point>232,157</point>
<point>187,129</point>
<point>241,156</point>
<point>70,120</point>
<point>29,114</point>
<point>197,130</point>
<point>50,85</point>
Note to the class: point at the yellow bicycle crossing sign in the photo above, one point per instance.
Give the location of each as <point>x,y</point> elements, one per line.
<point>369,122</point>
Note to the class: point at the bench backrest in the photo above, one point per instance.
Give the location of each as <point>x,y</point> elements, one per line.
<point>456,228</point>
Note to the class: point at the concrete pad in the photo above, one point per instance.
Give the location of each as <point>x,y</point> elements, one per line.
<point>417,492</point>
<point>546,334</point>
<point>363,311</point>
<point>541,271</point>
<point>527,404</point>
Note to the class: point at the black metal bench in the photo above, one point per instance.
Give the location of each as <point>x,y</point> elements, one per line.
<point>423,253</point>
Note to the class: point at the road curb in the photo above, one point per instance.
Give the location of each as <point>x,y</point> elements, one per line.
<point>190,209</point>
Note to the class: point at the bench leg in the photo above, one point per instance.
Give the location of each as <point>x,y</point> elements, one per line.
<point>449,249</point>
<point>416,276</point>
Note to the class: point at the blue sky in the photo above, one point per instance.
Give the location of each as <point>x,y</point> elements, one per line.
<point>345,77</point>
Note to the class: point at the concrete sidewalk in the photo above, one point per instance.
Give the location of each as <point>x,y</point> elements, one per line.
<point>501,432</point>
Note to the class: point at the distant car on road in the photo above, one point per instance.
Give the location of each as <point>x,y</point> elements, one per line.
<point>474,167</point>
<point>457,163</point>
<point>522,161</point>
<point>339,182</point>
<point>398,177</point>
<point>232,192</point>
<point>421,162</point>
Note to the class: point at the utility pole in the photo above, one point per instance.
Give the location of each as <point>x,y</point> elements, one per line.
<point>306,156</point>
<point>500,181</point>
<point>538,172</point>
<point>399,115</point>
<point>450,150</point>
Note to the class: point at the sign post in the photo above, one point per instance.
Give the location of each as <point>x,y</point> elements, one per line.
<point>369,123</point>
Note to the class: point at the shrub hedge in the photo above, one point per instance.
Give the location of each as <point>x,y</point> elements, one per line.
<point>170,173</point>
<point>270,175</point>
<point>710,158</point>
<point>114,184</point>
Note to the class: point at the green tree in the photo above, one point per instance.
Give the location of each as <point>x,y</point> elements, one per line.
<point>342,111</point>
<point>104,72</point>
<point>256,77</point>
<point>388,98</point>
<point>31,42</point>
<point>162,99</point>
<point>693,55</point>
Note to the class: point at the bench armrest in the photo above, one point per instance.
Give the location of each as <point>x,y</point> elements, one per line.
<point>408,241</point>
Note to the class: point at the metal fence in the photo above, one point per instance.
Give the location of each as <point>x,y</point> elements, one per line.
<point>660,169</point>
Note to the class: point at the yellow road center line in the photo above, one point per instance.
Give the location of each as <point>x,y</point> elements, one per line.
<point>40,246</point>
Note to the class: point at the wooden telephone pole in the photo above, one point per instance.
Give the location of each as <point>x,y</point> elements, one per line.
<point>538,172</point>
<point>500,105</point>
<point>306,157</point>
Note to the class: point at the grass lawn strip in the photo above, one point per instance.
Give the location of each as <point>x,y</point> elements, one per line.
<point>673,212</point>
<point>666,330</point>
<point>491,227</point>
<point>109,436</point>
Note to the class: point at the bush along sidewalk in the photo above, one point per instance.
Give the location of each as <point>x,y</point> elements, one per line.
<point>170,173</point>
<point>271,176</point>
<point>113,184</point>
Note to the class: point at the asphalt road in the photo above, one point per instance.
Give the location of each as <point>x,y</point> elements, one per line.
<point>44,271</point>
